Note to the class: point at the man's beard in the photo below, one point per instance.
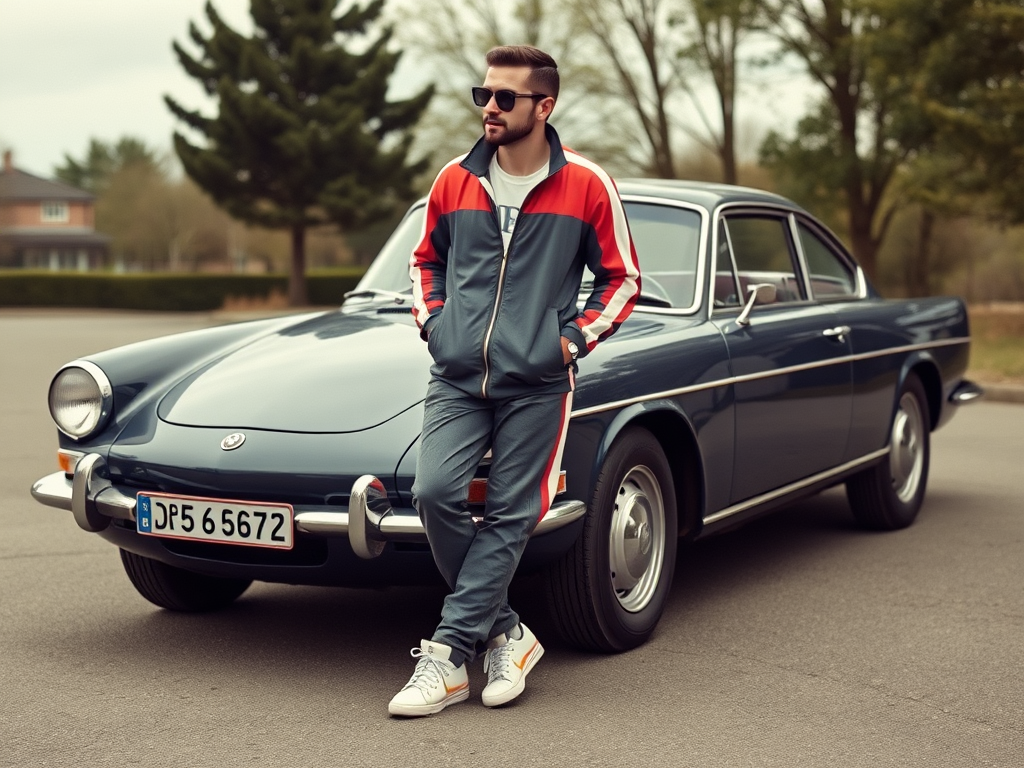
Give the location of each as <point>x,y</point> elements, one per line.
<point>510,134</point>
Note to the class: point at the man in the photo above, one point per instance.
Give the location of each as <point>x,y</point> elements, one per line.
<point>508,230</point>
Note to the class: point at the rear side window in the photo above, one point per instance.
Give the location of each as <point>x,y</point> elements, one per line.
<point>830,276</point>
<point>761,249</point>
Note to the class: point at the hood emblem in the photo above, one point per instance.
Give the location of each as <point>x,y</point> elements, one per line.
<point>232,441</point>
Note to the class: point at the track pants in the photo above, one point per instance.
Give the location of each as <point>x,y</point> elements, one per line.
<point>526,436</point>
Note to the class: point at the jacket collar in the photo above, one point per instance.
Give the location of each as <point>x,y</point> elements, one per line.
<point>478,161</point>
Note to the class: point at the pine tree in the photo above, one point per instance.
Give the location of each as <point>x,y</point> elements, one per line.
<point>305,135</point>
<point>103,160</point>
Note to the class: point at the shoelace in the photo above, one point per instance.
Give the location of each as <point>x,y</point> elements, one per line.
<point>497,662</point>
<point>429,671</point>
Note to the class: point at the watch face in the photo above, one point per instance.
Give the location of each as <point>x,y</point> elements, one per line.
<point>573,349</point>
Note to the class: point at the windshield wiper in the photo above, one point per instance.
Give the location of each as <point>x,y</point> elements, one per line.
<point>376,293</point>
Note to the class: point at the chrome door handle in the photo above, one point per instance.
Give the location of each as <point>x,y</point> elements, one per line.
<point>838,333</point>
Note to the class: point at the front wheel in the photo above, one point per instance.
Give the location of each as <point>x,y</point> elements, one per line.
<point>889,495</point>
<point>179,590</point>
<point>609,591</point>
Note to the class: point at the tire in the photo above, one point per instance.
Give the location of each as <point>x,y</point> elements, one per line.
<point>888,496</point>
<point>179,590</point>
<point>609,591</point>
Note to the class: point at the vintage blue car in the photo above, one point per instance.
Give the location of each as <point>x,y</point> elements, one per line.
<point>758,367</point>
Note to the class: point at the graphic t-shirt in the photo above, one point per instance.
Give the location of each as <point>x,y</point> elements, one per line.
<point>509,194</point>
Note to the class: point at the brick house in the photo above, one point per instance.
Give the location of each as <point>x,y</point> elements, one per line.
<point>46,225</point>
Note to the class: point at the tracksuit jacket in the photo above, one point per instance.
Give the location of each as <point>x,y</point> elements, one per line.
<point>494,321</point>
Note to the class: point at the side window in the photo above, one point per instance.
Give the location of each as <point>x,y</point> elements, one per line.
<point>726,293</point>
<point>830,276</point>
<point>760,245</point>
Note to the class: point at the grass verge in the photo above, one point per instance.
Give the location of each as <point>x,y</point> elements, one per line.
<point>997,343</point>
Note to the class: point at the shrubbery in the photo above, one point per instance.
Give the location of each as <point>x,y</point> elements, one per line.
<point>163,292</point>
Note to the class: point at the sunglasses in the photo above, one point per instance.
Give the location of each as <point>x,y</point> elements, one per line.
<point>505,99</point>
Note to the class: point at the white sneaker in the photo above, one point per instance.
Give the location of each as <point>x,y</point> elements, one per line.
<point>434,684</point>
<point>507,662</point>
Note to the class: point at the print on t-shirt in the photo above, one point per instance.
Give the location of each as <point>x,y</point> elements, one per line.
<point>507,215</point>
<point>510,193</point>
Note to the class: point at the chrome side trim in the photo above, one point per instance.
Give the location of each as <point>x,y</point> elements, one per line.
<point>807,481</point>
<point>766,375</point>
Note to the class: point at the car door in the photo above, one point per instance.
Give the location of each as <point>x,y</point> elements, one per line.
<point>791,376</point>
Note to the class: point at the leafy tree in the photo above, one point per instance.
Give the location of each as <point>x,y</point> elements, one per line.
<point>973,93</point>
<point>104,159</point>
<point>849,142</point>
<point>923,100</point>
<point>305,135</point>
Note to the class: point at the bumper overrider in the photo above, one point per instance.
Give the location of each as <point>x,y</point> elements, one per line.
<point>369,521</point>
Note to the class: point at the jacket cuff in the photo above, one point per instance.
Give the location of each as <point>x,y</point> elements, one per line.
<point>572,332</point>
<point>427,325</point>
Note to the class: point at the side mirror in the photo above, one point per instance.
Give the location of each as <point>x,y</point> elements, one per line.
<point>762,293</point>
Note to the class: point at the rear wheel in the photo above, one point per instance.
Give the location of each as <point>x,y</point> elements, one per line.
<point>180,590</point>
<point>889,495</point>
<point>609,591</point>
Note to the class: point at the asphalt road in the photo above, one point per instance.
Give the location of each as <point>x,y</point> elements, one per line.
<point>798,640</point>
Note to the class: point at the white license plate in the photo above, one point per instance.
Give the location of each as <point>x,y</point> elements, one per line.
<point>221,520</point>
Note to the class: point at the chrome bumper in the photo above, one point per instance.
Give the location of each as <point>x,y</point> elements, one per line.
<point>966,392</point>
<point>369,521</point>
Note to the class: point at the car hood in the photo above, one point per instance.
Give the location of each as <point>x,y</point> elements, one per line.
<point>338,372</point>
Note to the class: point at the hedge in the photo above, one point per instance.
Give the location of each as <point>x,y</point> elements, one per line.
<point>166,292</point>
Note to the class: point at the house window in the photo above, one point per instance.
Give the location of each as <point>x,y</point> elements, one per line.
<point>55,211</point>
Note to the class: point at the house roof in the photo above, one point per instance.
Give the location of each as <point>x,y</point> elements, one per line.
<point>16,184</point>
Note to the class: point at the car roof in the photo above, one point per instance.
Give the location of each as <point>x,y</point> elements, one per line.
<point>708,195</point>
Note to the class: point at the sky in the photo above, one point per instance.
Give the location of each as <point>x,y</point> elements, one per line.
<point>72,70</point>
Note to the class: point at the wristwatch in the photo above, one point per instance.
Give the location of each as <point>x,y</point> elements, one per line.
<point>573,349</point>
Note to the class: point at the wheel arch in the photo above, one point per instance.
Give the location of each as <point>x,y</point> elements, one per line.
<point>927,370</point>
<point>675,433</point>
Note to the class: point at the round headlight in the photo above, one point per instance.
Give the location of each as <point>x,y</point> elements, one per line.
<point>80,399</point>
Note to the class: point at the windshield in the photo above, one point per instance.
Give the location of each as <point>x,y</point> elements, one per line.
<point>667,239</point>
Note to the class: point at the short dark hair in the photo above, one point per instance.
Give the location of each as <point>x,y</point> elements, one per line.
<point>543,78</point>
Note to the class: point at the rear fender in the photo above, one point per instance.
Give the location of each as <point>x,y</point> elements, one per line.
<point>924,365</point>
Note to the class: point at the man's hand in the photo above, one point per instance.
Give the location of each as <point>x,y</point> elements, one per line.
<point>566,354</point>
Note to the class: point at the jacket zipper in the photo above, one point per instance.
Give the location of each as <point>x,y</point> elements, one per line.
<point>501,276</point>
<point>494,317</point>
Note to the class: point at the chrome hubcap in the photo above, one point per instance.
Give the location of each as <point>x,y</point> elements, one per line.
<point>906,457</point>
<point>637,539</point>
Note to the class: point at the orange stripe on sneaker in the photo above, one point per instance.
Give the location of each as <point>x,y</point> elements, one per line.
<point>522,662</point>
<point>456,689</point>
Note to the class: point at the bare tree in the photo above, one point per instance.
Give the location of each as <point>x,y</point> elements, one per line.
<point>720,26</point>
<point>450,42</point>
